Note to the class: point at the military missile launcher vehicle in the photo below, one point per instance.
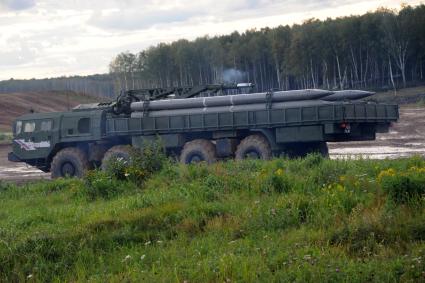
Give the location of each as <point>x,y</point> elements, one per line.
<point>201,123</point>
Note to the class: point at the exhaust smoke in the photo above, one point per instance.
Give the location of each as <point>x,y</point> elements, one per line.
<point>233,76</point>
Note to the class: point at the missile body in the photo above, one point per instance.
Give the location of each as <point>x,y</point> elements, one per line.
<point>232,108</point>
<point>243,102</point>
<point>230,100</point>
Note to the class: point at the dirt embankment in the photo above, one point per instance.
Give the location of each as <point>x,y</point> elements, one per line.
<point>13,105</point>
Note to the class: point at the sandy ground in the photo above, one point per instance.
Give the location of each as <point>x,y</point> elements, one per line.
<point>406,138</point>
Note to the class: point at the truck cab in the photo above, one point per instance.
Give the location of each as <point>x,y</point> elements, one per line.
<point>38,137</point>
<point>34,137</point>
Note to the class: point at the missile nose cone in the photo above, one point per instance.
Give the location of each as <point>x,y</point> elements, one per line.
<point>348,95</point>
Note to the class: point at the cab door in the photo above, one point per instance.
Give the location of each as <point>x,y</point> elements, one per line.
<point>33,138</point>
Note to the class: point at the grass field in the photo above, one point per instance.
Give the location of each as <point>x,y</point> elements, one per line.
<point>310,220</point>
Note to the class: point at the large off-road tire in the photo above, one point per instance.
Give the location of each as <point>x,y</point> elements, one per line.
<point>96,154</point>
<point>254,146</point>
<point>69,162</point>
<point>118,152</point>
<point>198,151</point>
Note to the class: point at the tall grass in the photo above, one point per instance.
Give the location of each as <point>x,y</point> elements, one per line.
<point>305,220</point>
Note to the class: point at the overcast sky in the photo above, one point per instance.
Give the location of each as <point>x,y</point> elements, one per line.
<point>46,38</point>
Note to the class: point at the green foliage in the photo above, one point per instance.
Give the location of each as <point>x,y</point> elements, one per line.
<point>117,167</point>
<point>279,182</point>
<point>99,184</point>
<point>141,164</point>
<point>5,137</point>
<point>304,220</point>
<point>403,187</point>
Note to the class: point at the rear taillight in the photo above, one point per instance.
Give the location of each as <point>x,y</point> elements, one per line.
<point>346,127</point>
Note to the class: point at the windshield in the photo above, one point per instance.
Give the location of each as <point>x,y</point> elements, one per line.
<point>18,127</point>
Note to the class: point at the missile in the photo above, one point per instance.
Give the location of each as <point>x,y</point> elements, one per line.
<point>231,100</point>
<point>232,108</point>
<point>347,95</point>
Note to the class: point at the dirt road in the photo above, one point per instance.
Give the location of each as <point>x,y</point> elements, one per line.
<point>406,138</point>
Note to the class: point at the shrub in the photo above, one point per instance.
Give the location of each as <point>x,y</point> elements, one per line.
<point>117,167</point>
<point>5,137</point>
<point>327,172</point>
<point>99,184</point>
<point>4,186</point>
<point>279,181</point>
<point>151,157</point>
<point>405,186</point>
<point>141,164</point>
<point>312,160</point>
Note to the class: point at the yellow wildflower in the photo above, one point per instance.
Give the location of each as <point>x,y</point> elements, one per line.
<point>386,173</point>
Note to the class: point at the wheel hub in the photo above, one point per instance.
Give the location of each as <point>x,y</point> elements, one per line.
<point>195,158</point>
<point>68,169</point>
<point>252,154</point>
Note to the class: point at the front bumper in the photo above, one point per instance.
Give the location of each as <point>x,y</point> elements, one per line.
<point>13,158</point>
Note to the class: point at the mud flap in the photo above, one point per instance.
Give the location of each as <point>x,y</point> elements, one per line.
<point>13,158</point>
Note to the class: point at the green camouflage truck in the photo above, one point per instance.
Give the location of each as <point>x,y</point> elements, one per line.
<point>197,124</point>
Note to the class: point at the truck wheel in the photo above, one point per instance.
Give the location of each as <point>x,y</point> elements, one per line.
<point>114,153</point>
<point>96,154</point>
<point>198,151</point>
<point>254,146</point>
<point>69,162</point>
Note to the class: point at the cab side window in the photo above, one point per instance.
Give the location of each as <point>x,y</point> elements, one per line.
<point>46,126</point>
<point>29,127</point>
<point>18,127</point>
<point>84,125</point>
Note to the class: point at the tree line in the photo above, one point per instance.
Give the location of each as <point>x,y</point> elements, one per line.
<point>98,85</point>
<point>381,49</point>
<point>384,49</point>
